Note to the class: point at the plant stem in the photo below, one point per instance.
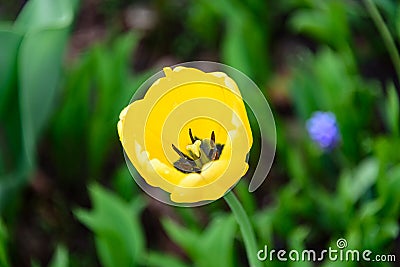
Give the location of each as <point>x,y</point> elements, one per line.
<point>385,33</point>
<point>245,228</point>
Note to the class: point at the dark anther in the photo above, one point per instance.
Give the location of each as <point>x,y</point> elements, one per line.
<point>213,153</point>
<point>213,136</point>
<point>219,151</point>
<point>191,136</point>
<point>180,153</point>
<point>186,166</point>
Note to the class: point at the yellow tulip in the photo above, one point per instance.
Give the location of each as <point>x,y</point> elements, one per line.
<point>189,135</point>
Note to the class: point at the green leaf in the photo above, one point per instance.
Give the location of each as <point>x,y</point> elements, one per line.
<point>40,14</point>
<point>301,90</point>
<point>234,50</point>
<point>397,21</point>
<point>389,190</point>
<point>212,247</point>
<point>386,150</point>
<point>9,43</point>
<point>156,259</point>
<point>298,237</point>
<point>245,197</point>
<point>3,245</point>
<point>326,22</point>
<point>264,225</point>
<point>60,258</point>
<point>218,242</point>
<point>371,208</point>
<point>45,24</point>
<point>305,21</point>
<point>244,43</point>
<point>98,86</point>
<point>389,229</point>
<point>393,110</point>
<point>39,74</point>
<point>111,75</point>
<point>243,47</point>
<point>296,167</point>
<point>10,186</point>
<point>296,242</point>
<point>9,111</point>
<point>354,186</point>
<point>34,263</point>
<point>123,183</point>
<point>185,238</point>
<point>116,224</point>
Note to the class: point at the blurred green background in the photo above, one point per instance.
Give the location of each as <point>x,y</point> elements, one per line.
<point>68,67</point>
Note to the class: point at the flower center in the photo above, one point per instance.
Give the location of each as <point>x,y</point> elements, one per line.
<point>199,153</point>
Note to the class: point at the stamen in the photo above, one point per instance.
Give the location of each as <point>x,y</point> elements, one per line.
<point>180,153</point>
<point>201,152</point>
<point>191,136</point>
<point>219,151</point>
<point>212,154</point>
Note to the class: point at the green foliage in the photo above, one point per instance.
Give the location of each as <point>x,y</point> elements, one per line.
<point>29,84</point>
<point>119,235</point>
<point>244,43</point>
<point>393,111</point>
<point>356,184</point>
<point>37,73</point>
<point>324,82</point>
<point>60,258</point>
<point>156,259</point>
<point>97,88</point>
<point>3,246</point>
<point>322,20</point>
<point>116,225</point>
<point>122,183</point>
<point>397,21</point>
<point>10,42</point>
<point>215,242</point>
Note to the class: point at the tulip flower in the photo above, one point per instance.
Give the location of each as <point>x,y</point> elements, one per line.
<point>189,135</point>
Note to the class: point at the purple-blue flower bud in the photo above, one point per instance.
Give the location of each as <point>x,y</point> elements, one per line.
<point>323,129</point>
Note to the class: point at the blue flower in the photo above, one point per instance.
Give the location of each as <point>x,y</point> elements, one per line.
<point>323,129</point>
